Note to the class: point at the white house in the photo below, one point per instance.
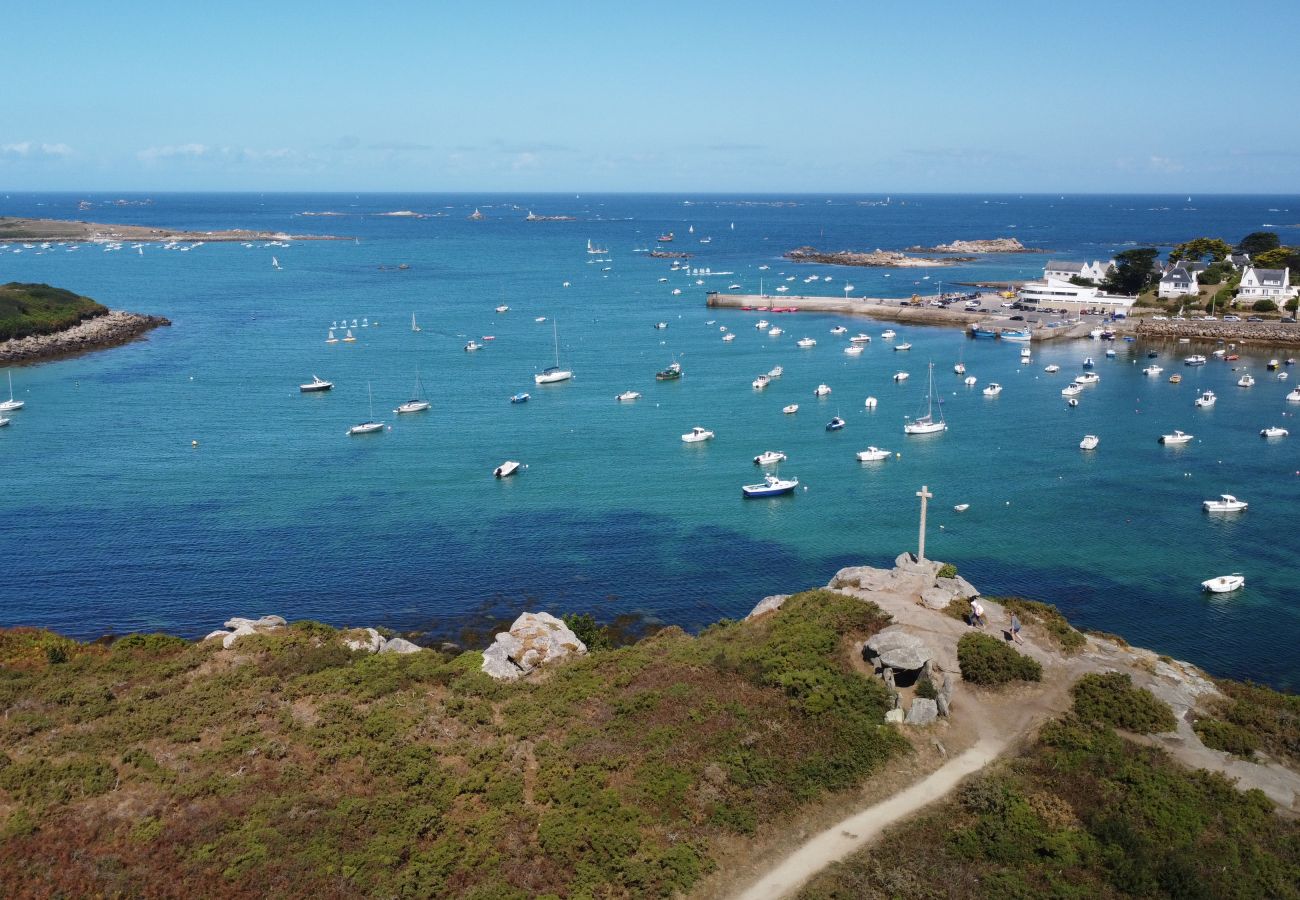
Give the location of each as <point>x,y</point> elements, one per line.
<point>1178,282</point>
<point>1266,284</point>
<point>1064,271</point>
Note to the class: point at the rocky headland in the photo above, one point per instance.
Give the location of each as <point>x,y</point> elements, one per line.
<point>109,330</point>
<point>13,228</point>
<point>880,259</point>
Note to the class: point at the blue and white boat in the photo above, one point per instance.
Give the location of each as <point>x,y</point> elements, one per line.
<point>1021,335</point>
<point>771,487</point>
<point>519,398</point>
<point>835,424</point>
<point>983,333</point>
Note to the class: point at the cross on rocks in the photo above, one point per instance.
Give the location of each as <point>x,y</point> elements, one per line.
<point>924,494</point>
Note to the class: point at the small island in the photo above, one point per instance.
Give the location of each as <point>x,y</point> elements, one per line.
<point>879,259</point>
<point>13,228</point>
<point>39,322</point>
<point>988,245</point>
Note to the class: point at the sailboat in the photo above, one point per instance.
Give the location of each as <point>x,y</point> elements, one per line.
<point>331,339</point>
<point>370,425</point>
<point>552,374</point>
<point>926,423</point>
<point>349,338</point>
<point>414,327</point>
<point>275,263</point>
<point>11,404</point>
<point>417,403</point>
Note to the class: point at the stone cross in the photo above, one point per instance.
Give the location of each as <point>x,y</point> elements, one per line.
<point>924,494</point>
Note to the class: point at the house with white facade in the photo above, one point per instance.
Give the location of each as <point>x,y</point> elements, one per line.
<point>1178,282</point>
<point>1064,271</point>
<point>1055,293</point>
<point>1266,284</point>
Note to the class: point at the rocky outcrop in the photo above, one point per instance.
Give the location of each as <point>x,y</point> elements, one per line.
<point>923,712</point>
<point>989,245</point>
<point>363,639</point>
<point>534,639</point>
<point>890,259</point>
<point>897,648</point>
<point>767,605</point>
<point>109,330</point>
<point>239,627</point>
<point>400,645</point>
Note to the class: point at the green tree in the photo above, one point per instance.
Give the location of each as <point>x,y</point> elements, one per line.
<point>1081,281</point>
<point>1264,306</point>
<point>1278,258</point>
<point>1258,242</point>
<point>1134,271</point>
<point>1215,248</point>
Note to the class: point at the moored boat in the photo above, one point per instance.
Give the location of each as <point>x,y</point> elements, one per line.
<point>1225,503</point>
<point>873,454</point>
<point>993,389</point>
<point>316,384</point>
<point>628,395</point>
<point>1224,584</point>
<point>521,397</point>
<point>821,390</point>
<point>791,409</point>
<point>672,373</point>
<point>1089,442</point>
<point>769,458</point>
<point>506,469</point>
<point>771,486</point>
<point>1206,400</point>
<point>835,424</point>
<point>696,435</point>
<point>1178,437</point>
<point>1273,431</point>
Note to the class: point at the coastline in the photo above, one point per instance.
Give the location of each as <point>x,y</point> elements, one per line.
<point>14,228</point>
<point>112,329</point>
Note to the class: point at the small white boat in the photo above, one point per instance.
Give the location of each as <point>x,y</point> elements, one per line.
<point>873,454</point>
<point>806,342</point>
<point>1089,442</point>
<point>521,397</point>
<point>330,338</point>
<point>472,345</point>
<point>661,324</point>
<point>870,403</point>
<point>1152,370</point>
<point>1224,584</point>
<point>316,384</point>
<point>503,308</point>
<point>970,381</point>
<point>1206,400</point>
<point>3,421</point>
<point>821,390</point>
<point>677,292</point>
<point>791,409</point>
<point>348,338</point>
<point>771,487</point>
<point>835,424</point>
<point>1246,381</point>
<point>414,327</point>
<point>839,329</point>
<point>961,507</point>
<point>775,372</point>
<point>1087,378</point>
<point>1225,503</point>
<point>993,389</point>
<point>540,319</point>
<point>1073,401</point>
<point>888,334</point>
<point>761,324</point>
<point>1026,353</point>
<point>697,434</point>
<point>959,369</point>
<point>774,331</point>
<point>901,376</point>
<point>1178,437</point>
<point>370,426</point>
<point>903,346</point>
<point>11,404</point>
<point>506,469</point>
<point>417,403</point>
<point>728,338</point>
<point>628,395</point>
<point>853,349</point>
<point>1293,396</point>
<point>761,382</point>
<point>1194,360</point>
<point>1088,362</point>
<point>1110,352</point>
<point>1273,431</point>
<point>1073,389</point>
<point>1052,369</point>
<point>860,339</point>
<point>769,458</point>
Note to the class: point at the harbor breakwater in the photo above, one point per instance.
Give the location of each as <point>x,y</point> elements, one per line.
<point>109,330</point>
<point>1260,333</point>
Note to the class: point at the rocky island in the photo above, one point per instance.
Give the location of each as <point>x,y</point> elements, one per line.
<point>38,322</point>
<point>881,259</point>
<point>990,245</point>
<point>13,228</point>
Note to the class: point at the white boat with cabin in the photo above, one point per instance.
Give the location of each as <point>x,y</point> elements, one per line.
<point>791,409</point>
<point>1206,400</point>
<point>1073,389</point>
<point>1052,369</point>
<point>11,404</point>
<point>316,385</point>
<point>903,346</point>
<point>1224,584</point>
<point>506,469</point>
<point>771,487</point>
<point>1225,503</point>
<point>370,426</point>
<point>553,374</point>
<point>1089,442</point>
<point>761,382</point>
<point>860,339</point>
<point>1274,431</point>
<point>821,390</point>
<point>769,458</point>
<point>418,402</point>
<point>873,454</point>
<point>888,334</point>
<point>627,396</point>
<point>1178,437</point>
<point>1152,370</point>
<point>696,435</point>
<point>806,342</point>
<point>1246,381</point>
<point>993,389</point>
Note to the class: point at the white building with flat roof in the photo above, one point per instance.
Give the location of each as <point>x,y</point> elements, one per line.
<point>1056,292</point>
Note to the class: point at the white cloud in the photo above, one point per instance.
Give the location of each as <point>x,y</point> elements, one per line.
<point>1166,164</point>
<point>169,151</point>
<point>32,149</point>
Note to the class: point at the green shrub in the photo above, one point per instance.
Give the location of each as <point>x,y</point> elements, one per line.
<point>1264,306</point>
<point>986,660</point>
<point>584,625</point>
<point>1270,717</point>
<point>149,643</point>
<point>1226,736</point>
<point>958,608</point>
<point>1058,628</point>
<point>948,570</point>
<point>926,690</point>
<point>1111,699</point>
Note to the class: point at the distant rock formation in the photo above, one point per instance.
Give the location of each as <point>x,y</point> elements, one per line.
<point>988,245</point>
<point>534,639</point>
<point>880,259</point>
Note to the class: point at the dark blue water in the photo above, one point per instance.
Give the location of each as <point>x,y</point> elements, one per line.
<point>112,521</point>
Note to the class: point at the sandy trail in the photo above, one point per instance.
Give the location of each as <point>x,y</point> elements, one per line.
<point>855,832</point>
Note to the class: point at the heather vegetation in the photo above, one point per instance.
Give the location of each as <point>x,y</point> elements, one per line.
<point>290,765</point>
<point>27,309</point>
<point>1252,717</point>
<point>988,661</point>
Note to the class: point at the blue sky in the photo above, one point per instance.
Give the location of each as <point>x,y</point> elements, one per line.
<point>665,96</point>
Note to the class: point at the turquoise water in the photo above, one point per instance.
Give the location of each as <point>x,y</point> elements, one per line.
<point>114,522</point>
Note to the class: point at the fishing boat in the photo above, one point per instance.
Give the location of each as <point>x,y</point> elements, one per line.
<point>769,458</point>
<point>853,350</point>
<point>506,469</point>
<point>414,326</point>
<point>553,374</point>
<point>665,238</point>
<point>1018,335</point>
<point>370,426</point>
<point>821,390</point>
<point>627,396</point>
<point>771,487</point>
<point>1088,362</point>
<point>926,423</point>
<point>1089,442</point>
<point>672,373</point>
<point>791,409</point>
<point>1073,389</point>
<point>1026,354</point>
<point>1273,364</point>
<point>873,454</point>
<point>775,372</point>
<point>775,330</point>
<point>835,424</point>
<point>1273,431</point>
<point>1087,378</point>
<point>1178,437</point>
<point>521,397</point>
<point>839,329</point>
<point>1052,369</point>
<point>661,325</point>
<point>1194,360</point>
<point>418,402</point>
<point>11,404</point>
<point>901,376</point>
<point>1246,380</point>
<point>984,334</point>
<point>1224,584</point>
<point>903,346</point>
<point>696,435</point>
<point>993,389</point>
<point>860,339</point>
<point>1175,378</point>
<point>1206,400</point>
<point>471,345</point>
<point>330,338</point>
<point>1293,396</point>
<point>349,338</point>
<point>761,382</point>
<point>888,334</point>
<point>959,369</point>
<point>1225,503</point>
<point>1152,370</point>
<point>806,342</point>
<point>316,385</point>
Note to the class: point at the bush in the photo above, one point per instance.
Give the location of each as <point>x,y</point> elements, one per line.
<point>588,631</point>
<point>948,570</point>
<point>1111,699</point>
<point>1226,736</point>
<point>926,690</point>
<point>1224,296</point>
<point>1062,633</point>
<point>986,660</point>
<point>1271,718</point>
<point>1264,306</point>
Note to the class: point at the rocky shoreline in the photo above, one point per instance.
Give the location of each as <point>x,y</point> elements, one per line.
<point>1261,333</point>
<point>878,259</point>
<point>13,228</point>
<point>109,330</point>
<point>988,245</point>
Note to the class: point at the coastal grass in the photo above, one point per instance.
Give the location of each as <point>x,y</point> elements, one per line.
<point>1110,698</point>
<point>28,309</point>
<point>1082,813</point>
<point>290,765</point>
<point>988,661</point>
<point>1252,717</point>
<point>1064,635</point>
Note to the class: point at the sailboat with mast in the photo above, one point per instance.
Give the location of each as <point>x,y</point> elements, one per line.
<point>418,402</point>
<point>414,327</point>
<point>926,424</point>
<point>11,404</point>
<point>552,374</point>
<point>370,425</point>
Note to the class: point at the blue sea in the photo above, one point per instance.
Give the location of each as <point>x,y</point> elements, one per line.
<point>114,522</point>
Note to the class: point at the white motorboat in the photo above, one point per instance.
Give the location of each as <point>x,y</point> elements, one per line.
<point>775,330</point>
<point>1293,396</point>
<point>697,434</point>
<point>3,422</point>
<point>11,404</point>
<point>418,402</point>
<point>1224,584</point>
<point>472,345</point>
<point>728,338</point>
<point>860,339</point>
<point>821,390</point>
<point>791,409</point>
<point>761,324</point>
<point>870,403</point>
<point>1073,401</point>
<point>1089,442</point>
<point>661,325</point>
<point>926,424</point>
<point>835,424</point>
<point>901,376</point>
<point>503,308</point>
<point>771,487</point>
<point>1088,362</point>
<point>993,389</point>
<point>1026,353</point>
<point>775,372</point>
<point>839,329</point>
<point>1225,503</point>
<point>1206,400</point>
<point>1194,360</point>
<point>1178,437</point>
<point>903,346</point>
<point>970,381</point>
<point>506,469</point>
<point>1220,353</point>
<point>370,426</point>
<point>1087,378</point>
<point>628,395</point>
<point>888,334</point>
<point>873,454</point>
<point>521,397</point>
<point>959,369</point>
<point>540,319</point>
<point>961,507</point>
<point>853,349</point>
<point>1152,370</point>
<point>315,385</point>
<point>330,338</point>
<point>805,342</point>
<point>1073,389</point>
<point>1246,380</point>
<point>552,374</point>
<point>761,382</point>
<point>1052,369</point>
<point>769,458</point>
<point>1273,431</point>
<point>1110,352</point>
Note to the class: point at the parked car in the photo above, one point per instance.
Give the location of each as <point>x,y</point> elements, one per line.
<point>1288,320</point>
<point>1017,318</point>
<point>1232,318</point>
<point>1254,318</point>
<point>1164,318</point>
